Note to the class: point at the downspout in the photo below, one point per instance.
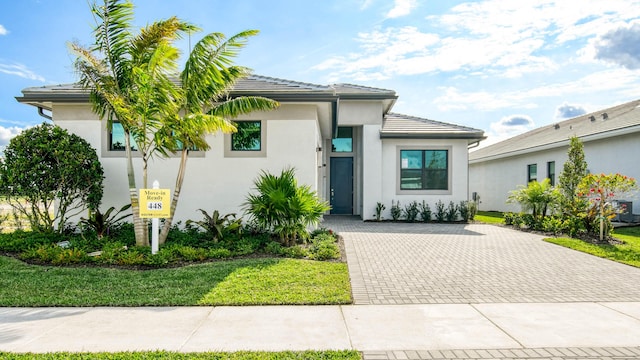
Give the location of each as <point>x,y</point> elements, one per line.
<point>41,113</point>
<point>470,146</point>
<point>473,145</point>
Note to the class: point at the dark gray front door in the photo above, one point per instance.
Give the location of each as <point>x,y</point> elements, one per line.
<point>341,185</point>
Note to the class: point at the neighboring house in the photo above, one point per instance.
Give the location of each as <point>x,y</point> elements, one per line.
<point>611,139</point>
<point>341,139</point>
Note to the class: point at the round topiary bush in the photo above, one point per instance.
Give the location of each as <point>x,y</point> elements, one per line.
<point>46,165</point>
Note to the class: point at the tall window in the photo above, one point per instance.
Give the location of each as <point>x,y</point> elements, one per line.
<point>551,172</point>
<point>424,169</point>
<point>532,172</point>
<point>248,137</point>
<point>344,141</point>
<point>116,138</point>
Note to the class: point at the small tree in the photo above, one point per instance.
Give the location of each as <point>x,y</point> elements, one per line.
<point>46,166</point>
<point>573,170</point>
<point>601,190</point>
<point>537,197</point>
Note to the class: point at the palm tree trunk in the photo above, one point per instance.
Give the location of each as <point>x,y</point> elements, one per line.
<point>139,226</point>
<point>176,195</point>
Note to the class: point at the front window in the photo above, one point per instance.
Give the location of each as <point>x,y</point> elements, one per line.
<point>344,141</point>
<point>424,170</point>
<point>248,137</point>
<point>551,172</point>
<point>532,172</point>
<point>116,138</point>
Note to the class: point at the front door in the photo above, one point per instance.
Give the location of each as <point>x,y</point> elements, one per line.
<point>341,185</point>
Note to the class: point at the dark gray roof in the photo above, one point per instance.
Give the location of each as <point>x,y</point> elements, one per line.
<point>277,89</point>
<point>607,122</point>
<point>258,83</point>
<point>359,89</point>
<point>400,126</point>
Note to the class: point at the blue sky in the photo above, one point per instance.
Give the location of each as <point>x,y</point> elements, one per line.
<point>504,66</point>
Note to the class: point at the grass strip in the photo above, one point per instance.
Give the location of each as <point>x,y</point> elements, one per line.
<point>490,217</point>
<point>237,282</point>
<point>165,355</point>
<point>627,253</point>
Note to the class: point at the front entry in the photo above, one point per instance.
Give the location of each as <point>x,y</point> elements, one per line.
<point>341,185</point>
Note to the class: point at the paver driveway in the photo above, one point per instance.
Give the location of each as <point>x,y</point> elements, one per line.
<point>399,263</point>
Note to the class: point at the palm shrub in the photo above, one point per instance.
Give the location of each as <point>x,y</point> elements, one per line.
<point>537,197</point>
<point>284,208</point>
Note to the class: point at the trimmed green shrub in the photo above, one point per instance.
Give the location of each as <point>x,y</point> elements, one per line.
<point>296,252</point>
<point>440,211</point>
<point>411,211</point>
<point>396,210</point>
<point>425,212</point>
<point>451,214</point>
<point>46,165</point>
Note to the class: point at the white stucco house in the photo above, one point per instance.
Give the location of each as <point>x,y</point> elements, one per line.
<point>343,140</point>
<point>611,140</point>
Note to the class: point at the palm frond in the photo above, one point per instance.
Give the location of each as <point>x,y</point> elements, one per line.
<point>113,33</point>
<point>243,105</point>
<point>209,72</point>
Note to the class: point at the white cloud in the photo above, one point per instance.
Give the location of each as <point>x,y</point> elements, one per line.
<point>568,111</point>
<point>618,81</point>
<point>366,4</point>
<point>21,71</point>
<point>8,133</point>
<point>506,128</point>
<point>506,38</point>
<point>383,55</point>
<point>3,30</point>
<point>401,8</point>
<point>620,46</point>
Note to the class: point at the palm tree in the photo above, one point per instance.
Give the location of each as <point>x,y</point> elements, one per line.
<point>128,79</point>
<point>205,105</point>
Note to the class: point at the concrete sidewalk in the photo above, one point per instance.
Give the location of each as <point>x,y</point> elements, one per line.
<point>373,329</point>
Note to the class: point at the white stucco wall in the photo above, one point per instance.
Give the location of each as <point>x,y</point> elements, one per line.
<point>354,113</point>
<point>372,171</point>
<point>212,181</point>
<point>493,180</point>
<point>458,153</point>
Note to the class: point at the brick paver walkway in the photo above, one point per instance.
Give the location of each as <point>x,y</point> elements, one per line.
<point>399,263</point>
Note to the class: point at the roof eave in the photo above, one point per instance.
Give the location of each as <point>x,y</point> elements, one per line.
<point>468,136</point>
<point>557,144</point>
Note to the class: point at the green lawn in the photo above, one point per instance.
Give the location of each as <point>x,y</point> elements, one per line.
<point>489,217</point>
<point>627,253</point>
<point>164,355</point>
<point>237,282</point>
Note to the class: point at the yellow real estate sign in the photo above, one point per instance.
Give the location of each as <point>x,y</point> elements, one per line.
<point>155,203</point>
